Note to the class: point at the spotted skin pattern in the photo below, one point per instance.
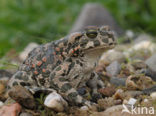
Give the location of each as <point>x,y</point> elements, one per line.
<point>66,64</point>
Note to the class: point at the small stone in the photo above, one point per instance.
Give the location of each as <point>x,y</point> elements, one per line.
<point>25,114</point>
<point>113,111</point>
<point>143,37</point>
<point>105,103</point>
<point>2,88</point>
<point>3,94</point>
<point>149,90</point>
<point>95,97</point>
<point>146,100</point>
<point>22,96</point>
<point>117,102</point>
<point>84,108</point>
<point>111,56</point>
<point>23,55</point>
<point>138,82</point>
<point>125,101</point>
<point>129,34</point>
<point>10,110</point>
<point>100,68</point>
<point>138,64</point>
<point>153,95</point>
<point>1,103</point>
<point>132,101</point>
<point>107,91</point>
<point>144,44</point>
<point>119,94</point>
<point>140,49</point>
<point>77,112</point>
<point>151,63</point>
<point>114,68</point>
<point>127,69</point>
<point>129,94</point>
<point>81,91</point>
<point>9,101</point>
<point>131,85</point>
<point>55,102</point>
<point>4,79</point>
<point>118,81</point>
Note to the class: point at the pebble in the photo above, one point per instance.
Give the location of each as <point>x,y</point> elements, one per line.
<point>4,79</point>
<point>2,87</point>
<point>125,101</point>
<point>112,111</point>
<point>119,94</point>
<point>151,70</point>
<point>1,103</point>
<point>9,101</point>
<point>138,82</point>
<point>133,93</point>
<point>25,114</point>
<point>129,34</point>
<point>142,37</point>
<point>111,56</point>
<point>81,91</point>
<point>113,69</point>
<point>153,95</point>
<point>84,108</point>
<point>146,100</point>
<point>10,110</point>
<point>118,81</point>
<point>22,96</point>
<point>55,102</point>
<point>130,84</point>
<point>107,102</point>
<point>139,64</point>
<point>117,111</point>
<point>128,37</point>
<point>149,90</point>
<point>107,91</point>
<point>146,46</point>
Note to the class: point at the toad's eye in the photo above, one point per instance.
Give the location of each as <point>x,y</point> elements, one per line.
<point>91,33</point>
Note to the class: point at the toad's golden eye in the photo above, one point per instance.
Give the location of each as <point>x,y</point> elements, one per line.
<point>91,33</point>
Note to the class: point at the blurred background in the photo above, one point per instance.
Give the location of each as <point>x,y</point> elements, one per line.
<point>41,21</point>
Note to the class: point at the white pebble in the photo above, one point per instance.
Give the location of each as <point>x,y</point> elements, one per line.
<point>1,103</point>
<point>132,101</point>
<point>129,33</point>
<point>153,95</point>
<point>125,101</point>
<point>55,102</point>
<point>146,100</point>
<point>85,108</point>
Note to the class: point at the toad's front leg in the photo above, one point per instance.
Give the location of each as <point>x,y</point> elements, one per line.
<point>60,81</point>
<point>94,83</point>
<point>68,92</point>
